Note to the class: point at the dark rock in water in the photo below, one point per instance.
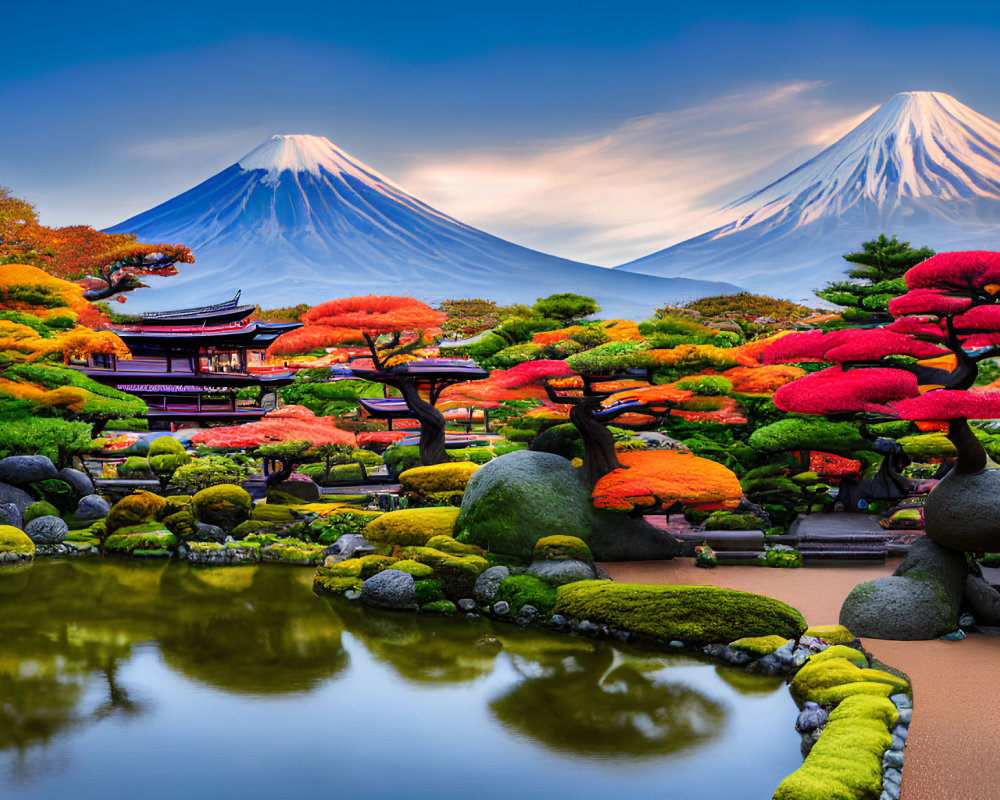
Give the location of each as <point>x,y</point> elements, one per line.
<point>558,621</point>
<point>467,604</point>
<point>984,601</point>
<point>767,665</point>
<point>809,740</point>
<point>560,572</point>
<point>81,484</point>
<point>919,601</point>
<point>811,717</point>
<point>22,470</point>
<point>501,608</point>
<point>47,530</point>
<point>210,533</point>
<point>19,497</point>
<point>963,511</point>
<point>348,545</point>
<point>488,583</point>
<point>390,588</point>
<point>519,498</point>
<point>92,506</point>
<point>588,628</point>
<point>10,514</point>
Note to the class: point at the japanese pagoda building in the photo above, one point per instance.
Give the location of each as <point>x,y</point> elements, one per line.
<point>188,365</point>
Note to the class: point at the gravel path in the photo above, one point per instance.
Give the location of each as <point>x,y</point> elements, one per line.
<point>953,751</point>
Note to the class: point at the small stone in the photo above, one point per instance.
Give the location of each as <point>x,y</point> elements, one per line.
<point>621,636</point>
<point>885,796</point>
<point>902,731</point>
<point>348,545</point>
<point>558,621</point>
<point>810,718</point>
<point>901,700</point>
<point>47,530</point>
<point>966,620</point>
<point>472,615</point>
<point>211,533</point>
<point>562,572</point>
<point>905,715</point>
<point>467,604</point>
<point>892,758</point>
<point>11,515</point>
<point>897,743</point>
<point>892,775</point>
<point>954,636</point>
<point>18,497</point>
<point>588,628</point>
<point>736,657</point>
<point>352,594</point>
<point>809,739</point>
<point>767,665</point>
<point>488,583</point>
<point>390,588</point>
<point>675,643</point>
<point>501,608</point>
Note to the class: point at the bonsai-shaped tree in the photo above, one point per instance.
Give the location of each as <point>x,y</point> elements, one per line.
<point>921,367</point>
<point>877,277</point>
<point>394,328</point>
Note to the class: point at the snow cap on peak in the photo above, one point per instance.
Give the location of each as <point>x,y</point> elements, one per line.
<point>304,153</point>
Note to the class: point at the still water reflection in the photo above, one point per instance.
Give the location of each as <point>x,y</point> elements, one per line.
<point>157,680</point>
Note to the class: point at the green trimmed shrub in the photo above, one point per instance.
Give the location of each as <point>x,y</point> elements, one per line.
<point>208,471</point>
<point>706,384</point>
<point>224,505</point>
<point>411,526</point>
<point>165,445</point>
<point>428,590</point>
<point>135,468</point>
<point>134,510</point>
<point>57,492</point>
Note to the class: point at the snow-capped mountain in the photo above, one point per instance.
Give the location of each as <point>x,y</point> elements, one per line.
<point>298,220</point>
<point>923,166</point>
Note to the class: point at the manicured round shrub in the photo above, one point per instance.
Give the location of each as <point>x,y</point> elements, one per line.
<point>562,548</point>
<point>134,510</point>
<point>225,505</point>
<point>411,526</point>
<point>39,509</point>
<point>706,384</point>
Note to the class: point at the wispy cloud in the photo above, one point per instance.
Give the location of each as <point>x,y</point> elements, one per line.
<point>652,181</point>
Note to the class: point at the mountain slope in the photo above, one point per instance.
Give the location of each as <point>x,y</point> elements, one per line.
<point>299,220</point>
<point>923,166</point>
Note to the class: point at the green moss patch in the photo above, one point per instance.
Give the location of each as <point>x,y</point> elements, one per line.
<point>411,526</point>
<point>695,615</point>
<point>562,548</point>
<point>828,681</point>
<point>759,645</point>
<point>15,542</point>
<point>527,590</point>
<point>831,634</point>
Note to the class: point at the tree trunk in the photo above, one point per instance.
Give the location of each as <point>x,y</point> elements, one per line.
<point>282,474</point>
<point>599,456</point>
<point>432,424</point>
<point>971,455</point>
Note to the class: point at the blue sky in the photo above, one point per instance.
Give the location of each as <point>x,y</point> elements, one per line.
<point>596,131</point>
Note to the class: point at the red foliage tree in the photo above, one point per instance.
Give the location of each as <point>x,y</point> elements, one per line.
<point>950,310</point>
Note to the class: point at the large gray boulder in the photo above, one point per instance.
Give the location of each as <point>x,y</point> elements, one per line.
<point>515,500</point>
<point>80,482</point>
<point>963,511</point>
<point>22,470</point>
<point>10,514</point>
<point>18,497</point>
<point>91,506</point>
<point>921,600</point>
<point>563,571</point>
<point>348,545</point>
<point>47,530</point>
<point>390,588</point>
<point>983,600</point>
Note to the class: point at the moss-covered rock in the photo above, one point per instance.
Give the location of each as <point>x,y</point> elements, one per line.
<point>225,505</point>
<point>165,445</point>
<point>446,544</point>
<point>856,657</point>
<point>846,761</point>
<point>527,590</point>
<point>249,526</point>
<point>134,510</point>
<point>831,634</point>
<point>272,512</point>
<point>439,607</point>
<point>415,568</point>
<point>336,585</point>
<point>135,468</point>
<point>144,539</point>
<point>562,548</point>
<point>429,590</point>
<point>182,524</point>
<point>39,508</point>
<point>521,497</point>
<point>450,477</point>
<point>411,526</point>
<point>828,681</point>
<point>15,544</point>
<point>695,615</point>
<point>759,645</point>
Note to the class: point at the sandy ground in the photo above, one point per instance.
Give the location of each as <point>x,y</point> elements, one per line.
<point>953,751</point>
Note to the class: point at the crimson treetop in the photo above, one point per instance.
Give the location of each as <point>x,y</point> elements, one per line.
<point>951,314</point>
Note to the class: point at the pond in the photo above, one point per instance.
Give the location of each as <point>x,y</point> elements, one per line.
<point>162,680</point>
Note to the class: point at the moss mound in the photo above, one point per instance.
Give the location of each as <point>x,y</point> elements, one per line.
<point>451,477</point>
<point>527,590</point>
<point>830,680</point>
<point>143,539</point>
<point>562,548</point>
<point>695,615</point>
<point>165,446</point>
<point>40,509</point>
<point>15,542</point>
<point>831,634</point>
<point>411,526</point>
<point>134,510</point>
<point>759,645</point>
<point>846,762</point>
<point>225,505</point>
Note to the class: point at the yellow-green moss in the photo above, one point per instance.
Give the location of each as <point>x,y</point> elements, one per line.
<point>13,540</point>
<point>272,512</point>
<point>414,568</point>
<point>562,548</point>
<point>373,564</point>
<point>759,645</point>
<point>140,539</point>
<point>454,548</point>
<point>856,657</point>
<point>450,477</point>
<point>831,634</point>
<point>692,614</point>
<point>135,509</point>
<point>411,526</point>
<point>41,508</point>
<point>822,681</point>
<point>846,761</point>
<point>225,505</point>
<point>165,445</point>
<point>325,583</point>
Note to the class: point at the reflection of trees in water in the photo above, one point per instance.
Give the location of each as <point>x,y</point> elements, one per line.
<point>602,704</point>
